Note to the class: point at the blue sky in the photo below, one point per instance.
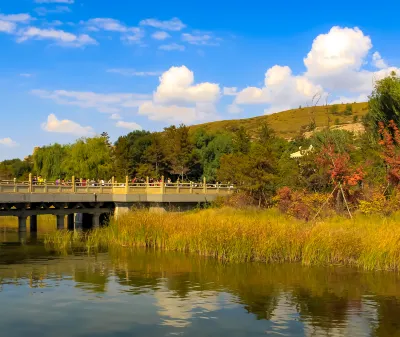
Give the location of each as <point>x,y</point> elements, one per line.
<point>75,68</point>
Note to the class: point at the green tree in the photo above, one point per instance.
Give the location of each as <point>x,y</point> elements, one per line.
<point>241,141</point>
<point>384,102</point>
<point>178,150</point>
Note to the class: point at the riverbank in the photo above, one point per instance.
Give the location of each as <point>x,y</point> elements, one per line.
<point>367,242</point>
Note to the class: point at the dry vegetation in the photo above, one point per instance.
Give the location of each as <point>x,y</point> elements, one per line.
<point>287,124</point>
<point>251,235</point>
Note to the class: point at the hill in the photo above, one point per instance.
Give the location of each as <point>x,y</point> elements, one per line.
<point>288,124</point>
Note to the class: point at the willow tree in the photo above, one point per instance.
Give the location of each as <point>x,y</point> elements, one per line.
<point>89,158</point>
<point>48,161</point>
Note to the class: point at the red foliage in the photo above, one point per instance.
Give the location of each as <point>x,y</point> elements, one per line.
<point>339,167</point>
<point>390,140</point>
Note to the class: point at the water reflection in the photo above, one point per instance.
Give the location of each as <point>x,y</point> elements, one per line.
<point>150,293</point>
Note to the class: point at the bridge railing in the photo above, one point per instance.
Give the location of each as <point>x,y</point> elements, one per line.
<point>113,187</point>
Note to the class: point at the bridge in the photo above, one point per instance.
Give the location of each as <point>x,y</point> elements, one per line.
<point>83,202</point>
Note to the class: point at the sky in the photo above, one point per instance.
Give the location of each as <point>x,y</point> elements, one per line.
<point>77,68</point>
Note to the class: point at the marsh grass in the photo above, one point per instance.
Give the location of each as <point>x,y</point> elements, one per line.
<point>371,243</point>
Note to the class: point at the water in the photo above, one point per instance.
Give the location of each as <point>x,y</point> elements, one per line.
<point>151,293</point>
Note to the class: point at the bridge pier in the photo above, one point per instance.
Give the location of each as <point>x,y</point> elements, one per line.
<point>95,220</point>
<point>121,208</point>
<point>70,222</point>
<point>60,221</point>
<point>22,223</point>
<point>33,223</point>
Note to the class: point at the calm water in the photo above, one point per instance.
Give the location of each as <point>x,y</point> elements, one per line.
<point>148,293</point>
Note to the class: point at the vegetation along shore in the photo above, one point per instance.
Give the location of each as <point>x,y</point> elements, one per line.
<point>232,235</point>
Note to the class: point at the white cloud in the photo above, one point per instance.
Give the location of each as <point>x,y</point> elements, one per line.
<point>177,86</point>
<point>61,37</point>
<point>230,91</point>
<point>339,50</point>
<point>27,75</point>
<point>177,99</point>
<point>20,18</point>
<point>42,11</point>
<point>115,116</point>
<point>282,90</point>
<point>234,109</point>
<point>174,24</point>
<point>378,61</point>
<point>334,64</point>
<point>128,125</point>
<point>7,27</point>
<point>107,24</point>
<point>133,72</point>
<point>128,34</point>
<point>107,103</point>
<point>160,35</point>
<point>171,47</point>
<point>172,113</point>
<point>200,39</point>
<point>70,2</point>
<point>8,142</point>
<point>66,126</point>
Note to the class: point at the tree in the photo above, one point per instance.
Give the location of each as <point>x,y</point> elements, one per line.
<point>178,149</point>
<point>384,102</point>
<point>241,141</point>
<point>334,109</point>
<point>349,110</point>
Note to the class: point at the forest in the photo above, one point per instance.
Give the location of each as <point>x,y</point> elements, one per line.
<point>359,170</point>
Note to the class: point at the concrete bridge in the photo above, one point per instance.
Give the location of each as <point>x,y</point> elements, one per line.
<point>82,202</point>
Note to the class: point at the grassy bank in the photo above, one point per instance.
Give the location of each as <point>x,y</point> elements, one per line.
<point>247,235</point>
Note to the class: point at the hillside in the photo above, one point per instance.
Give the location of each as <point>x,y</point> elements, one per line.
<point>290,123</point>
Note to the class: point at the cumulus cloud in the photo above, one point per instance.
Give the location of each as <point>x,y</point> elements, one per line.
<point>378,61</point>
<point>128,125</point>
<point>177,86</point>
<point>282,90</point>
<point>178,99</point>
<point>171,47</point>
<point>160,35</point>
<point>8,142</point>
<point>59,36</point>
<point>334,64</point>
<point>174,24</point>
<point>133,72</point>
<point>107,103</point>
<point>66,126</point>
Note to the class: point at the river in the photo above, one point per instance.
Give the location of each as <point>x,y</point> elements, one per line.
<point>139,292</point>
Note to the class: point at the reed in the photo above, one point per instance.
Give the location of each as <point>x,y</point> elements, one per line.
<point>371,243</point>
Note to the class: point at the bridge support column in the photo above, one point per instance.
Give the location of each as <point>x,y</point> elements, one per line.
<point>22,223</point>
<point>95,221</point>
<point>120,209</point>
<point>78,221</point>
<point>70,222</point>
<point>33,223</point>
<point>60,221</point>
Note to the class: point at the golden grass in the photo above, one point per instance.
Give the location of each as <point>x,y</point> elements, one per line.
<point>371,243</point>
<point>287,123</point>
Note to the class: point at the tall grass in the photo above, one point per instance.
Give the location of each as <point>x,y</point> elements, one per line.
<point>248,235</point>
